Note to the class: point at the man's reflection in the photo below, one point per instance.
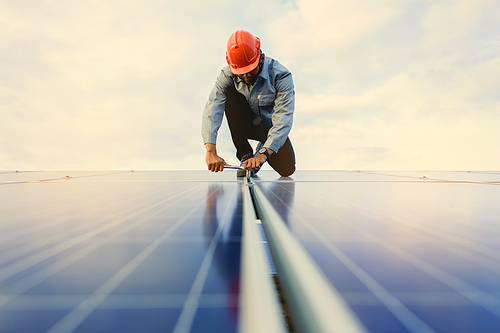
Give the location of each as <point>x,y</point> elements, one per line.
<point>227,253</point>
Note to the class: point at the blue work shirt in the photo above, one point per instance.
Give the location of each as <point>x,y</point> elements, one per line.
<point>271,98</point>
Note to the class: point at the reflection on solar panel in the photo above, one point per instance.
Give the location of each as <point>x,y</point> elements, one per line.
<point>161,251</point>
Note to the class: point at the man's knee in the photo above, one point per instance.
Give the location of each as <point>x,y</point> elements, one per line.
<point>287,171</point>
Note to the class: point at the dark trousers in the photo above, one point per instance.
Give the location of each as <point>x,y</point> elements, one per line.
<point>239,117</point>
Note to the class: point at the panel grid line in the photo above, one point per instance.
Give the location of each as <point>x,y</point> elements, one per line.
<point>459,240</point>
<point>186,318</point>
<point>485,300</point>
<point>398,309</point>
<point>486,256</point>
<point>72,320</point>
<point>7,236</point>
<point>21,265</point>
<point>34,279</point>
<point>63,235</point>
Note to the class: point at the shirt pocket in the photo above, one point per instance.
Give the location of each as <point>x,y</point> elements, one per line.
<point>266,100</point>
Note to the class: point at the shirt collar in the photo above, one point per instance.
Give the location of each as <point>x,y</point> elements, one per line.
<point>264,73</point>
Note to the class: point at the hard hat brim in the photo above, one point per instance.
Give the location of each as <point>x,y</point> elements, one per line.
<point>246,69</point>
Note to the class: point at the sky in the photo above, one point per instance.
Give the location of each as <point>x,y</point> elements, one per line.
<point>120,85</point>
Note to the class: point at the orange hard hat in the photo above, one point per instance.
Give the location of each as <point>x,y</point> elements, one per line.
<point>243,52</point>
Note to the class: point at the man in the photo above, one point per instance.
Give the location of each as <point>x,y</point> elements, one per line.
<point>257,95</point>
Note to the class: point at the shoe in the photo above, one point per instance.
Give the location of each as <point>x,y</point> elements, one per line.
<point>253,173</point>
<point>246,157</point>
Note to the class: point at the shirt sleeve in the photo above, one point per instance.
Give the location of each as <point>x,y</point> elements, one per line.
<point>282,118</point>
<point>214,109</point>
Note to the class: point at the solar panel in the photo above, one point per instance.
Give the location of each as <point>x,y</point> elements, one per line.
<point>408,253</point>
<point>128,252</point>
<point>414,251</point>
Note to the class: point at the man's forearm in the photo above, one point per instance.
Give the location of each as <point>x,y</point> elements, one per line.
<point>210,147</point>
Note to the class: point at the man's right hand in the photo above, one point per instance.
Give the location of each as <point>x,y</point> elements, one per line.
<point>215,163</point>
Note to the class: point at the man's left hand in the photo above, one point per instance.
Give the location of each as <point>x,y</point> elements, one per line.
<point>254,163</point>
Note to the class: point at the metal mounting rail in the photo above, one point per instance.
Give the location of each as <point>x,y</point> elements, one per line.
<point>259,307</point>
<point>315,305</point>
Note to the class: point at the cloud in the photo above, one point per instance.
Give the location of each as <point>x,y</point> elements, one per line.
<point>122,84</point>
<point>361,156</point>
<point>94,86</point>
<point>416,89</point>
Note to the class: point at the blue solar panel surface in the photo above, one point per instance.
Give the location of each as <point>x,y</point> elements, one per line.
<point>160,251</point>
<point>119,252</point>
<point>409,251</point>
